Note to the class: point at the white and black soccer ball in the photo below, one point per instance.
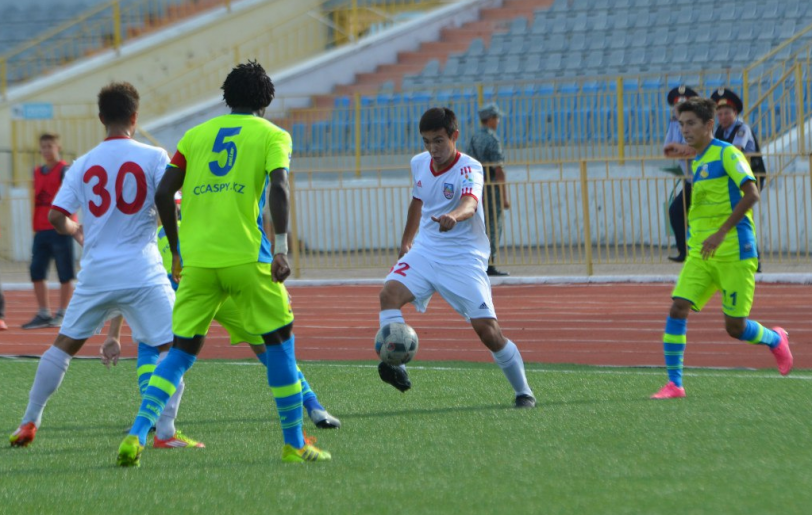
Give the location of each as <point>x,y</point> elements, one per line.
<point>396,343</point>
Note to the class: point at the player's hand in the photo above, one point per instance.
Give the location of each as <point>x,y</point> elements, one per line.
<point>177,268</point>
<point>110,352</point>
<point>404,249</point>
<point>679,151</point>
<point>79,235</point>
<point>505,203</point>
<point>447,222</point>
<point>280,269</point>
<point>710,245</point>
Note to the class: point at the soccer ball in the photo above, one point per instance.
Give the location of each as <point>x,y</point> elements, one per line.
<point>396,343</point>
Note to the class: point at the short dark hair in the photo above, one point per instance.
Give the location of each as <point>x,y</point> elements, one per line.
<point>118,101</point>
<point>438,118</point>
<point>703,108</point>
<point>49,136</point>
<point>247,85</point>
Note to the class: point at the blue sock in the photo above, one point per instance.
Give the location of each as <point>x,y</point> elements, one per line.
<point>283,378</point>
<point>756,334</point>
<point>162,385</point>
<point>309,399</point>
<point>674,347</point>
<point>145,365</point>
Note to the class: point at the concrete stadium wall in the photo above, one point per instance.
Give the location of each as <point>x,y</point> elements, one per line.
<point>152,62</point>
<point>319,75</point>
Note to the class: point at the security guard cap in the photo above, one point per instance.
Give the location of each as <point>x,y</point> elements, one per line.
<point>680,94</point>
<point>490,111</point>
<point>726,98</point>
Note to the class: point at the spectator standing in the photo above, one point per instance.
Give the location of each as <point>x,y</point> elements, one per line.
<point>485,147</point>
<point>48,244</point>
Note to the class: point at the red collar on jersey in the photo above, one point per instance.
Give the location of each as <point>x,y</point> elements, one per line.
<point>447,168</point>
<point>117,137</point>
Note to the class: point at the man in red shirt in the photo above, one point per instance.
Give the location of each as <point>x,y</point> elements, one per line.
<point>48,244</point>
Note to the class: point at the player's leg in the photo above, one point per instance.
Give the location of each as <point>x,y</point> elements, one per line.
<point>266,310</point>
<point>229,317</point>
<point>738,289</point>
<point>676,215</point>
<point>85,316</point>
<point>467,289</point>
<point>506,354</point>
<point>198,298</point>
<point>63,258</point>
<point>408,281</point>
<point>40,260</point>
<point>694,288</point>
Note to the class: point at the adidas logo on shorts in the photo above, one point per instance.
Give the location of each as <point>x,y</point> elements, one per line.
<point>483,306</point>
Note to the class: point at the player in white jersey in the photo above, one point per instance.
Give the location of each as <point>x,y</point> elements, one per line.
<point>450,253</point>
<point>122,272</point>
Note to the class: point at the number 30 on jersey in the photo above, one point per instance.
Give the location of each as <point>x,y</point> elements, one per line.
<point>98,209</point>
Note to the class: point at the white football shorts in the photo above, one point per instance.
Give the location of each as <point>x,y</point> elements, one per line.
<point>463,284</point>
<point>148,312</point>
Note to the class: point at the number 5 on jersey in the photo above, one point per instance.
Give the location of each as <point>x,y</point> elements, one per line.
<point>220,145</point>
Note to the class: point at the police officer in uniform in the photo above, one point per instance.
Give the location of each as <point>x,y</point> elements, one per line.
<point>734,131</point>
<point>676,147</point>
<point>486,148</point>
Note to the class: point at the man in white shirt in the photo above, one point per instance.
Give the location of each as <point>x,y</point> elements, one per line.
<point>122,272</point>
<point>450,253</point>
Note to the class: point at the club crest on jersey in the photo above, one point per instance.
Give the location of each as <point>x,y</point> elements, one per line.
<point>703,172</point>
<point>448,190</point>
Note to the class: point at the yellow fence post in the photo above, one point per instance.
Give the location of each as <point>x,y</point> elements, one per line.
<point>621,122</point>
<point>745,89</point>
<point>236,55</point>
<point>15,154</point>
<point>3,78</point>
<point>117,25</point>
<point>799,100</point>
<point>357,134</point>
<point>294,233</point>
<point>354,21</point>
<point>587,230</point>
<point>228,5</point>
<point>480,95</point>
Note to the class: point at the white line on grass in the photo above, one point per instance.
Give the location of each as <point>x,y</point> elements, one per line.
<point>552,371</point>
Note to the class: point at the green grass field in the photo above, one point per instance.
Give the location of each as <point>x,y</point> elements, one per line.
<point>740,443</point>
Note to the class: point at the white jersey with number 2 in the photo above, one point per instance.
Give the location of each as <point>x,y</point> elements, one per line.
<point>441,192</point>
<point>114,186</point>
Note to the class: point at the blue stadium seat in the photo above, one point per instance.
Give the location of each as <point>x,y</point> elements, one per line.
<point>298,133</point>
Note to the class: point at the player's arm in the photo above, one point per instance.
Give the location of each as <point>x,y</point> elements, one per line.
<point>171,182</point>
<point>63,224</point>
<point>464,211</point>
<point>111,348</point>
<point>412,225</point>
<point>279,204</point>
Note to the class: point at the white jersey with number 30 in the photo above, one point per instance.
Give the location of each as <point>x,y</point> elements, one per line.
<point>441,192</point>
<point>114,186</point>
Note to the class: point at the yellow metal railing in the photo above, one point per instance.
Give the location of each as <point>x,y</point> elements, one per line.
<point>107,25</point>
<point>578,214</point>
<point>110,24</point>
<point>575,217</point>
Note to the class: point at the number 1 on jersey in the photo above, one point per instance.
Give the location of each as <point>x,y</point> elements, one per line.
<point>220,145</point>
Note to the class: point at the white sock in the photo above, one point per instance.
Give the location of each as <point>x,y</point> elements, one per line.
<point>388,316</point>
<point>50,372</point>
<point>165,427</point>
<point>510,361</point>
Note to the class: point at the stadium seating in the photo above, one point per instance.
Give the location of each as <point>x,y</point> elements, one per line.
<point>589,42</point>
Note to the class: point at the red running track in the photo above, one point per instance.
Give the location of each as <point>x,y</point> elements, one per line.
<point>596,324</point>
